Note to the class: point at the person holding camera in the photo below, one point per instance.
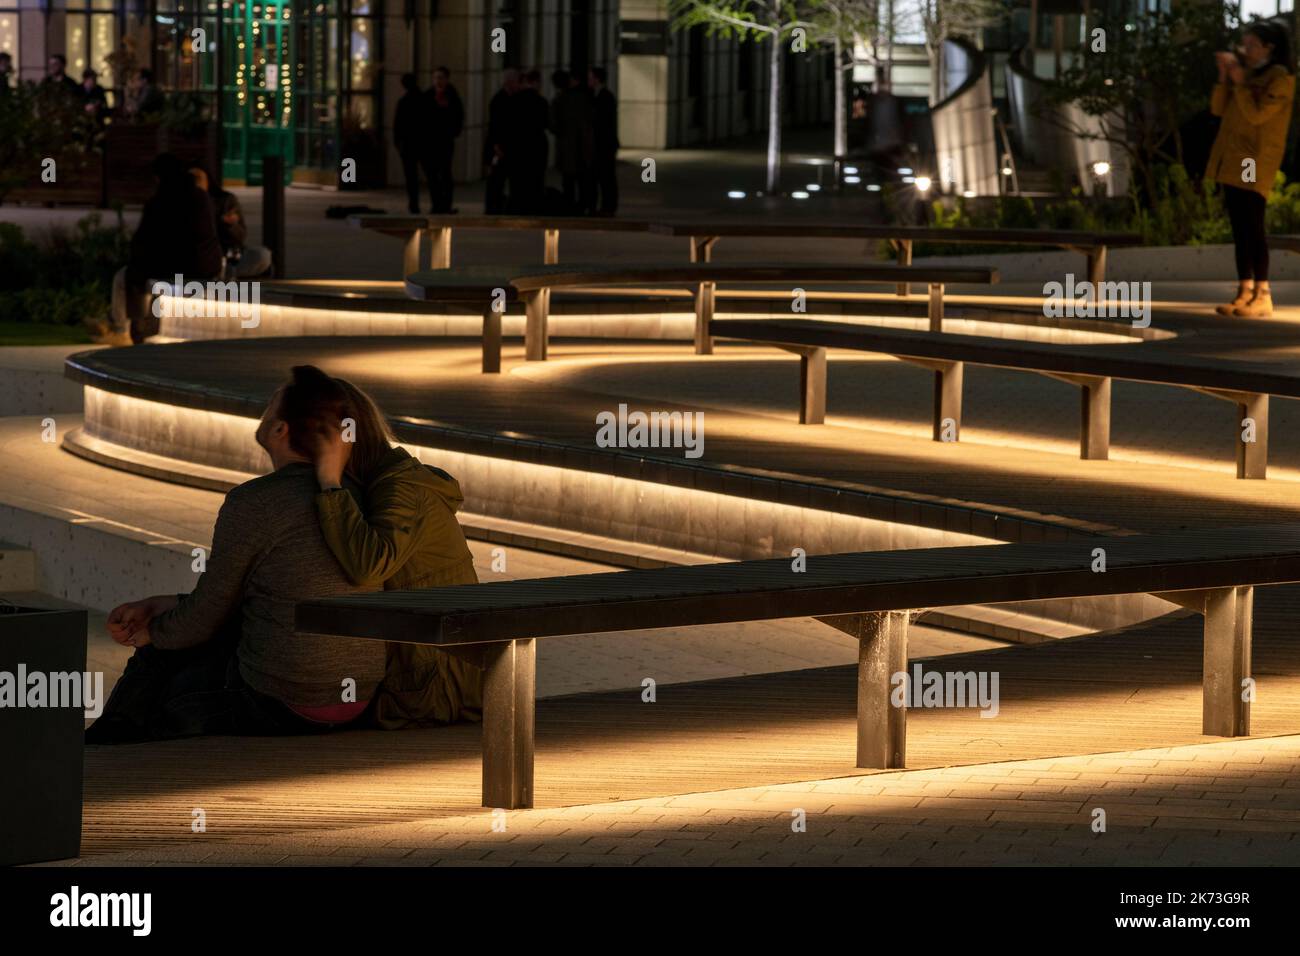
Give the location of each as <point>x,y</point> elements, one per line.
<point>1253,96</point>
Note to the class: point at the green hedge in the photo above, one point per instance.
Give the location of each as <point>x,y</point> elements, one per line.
<point>63,278</point>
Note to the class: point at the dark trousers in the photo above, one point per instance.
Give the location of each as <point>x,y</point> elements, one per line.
<point>579,191</point>
<point>606,185</point>
<point>494,194</point>
<point>413,161</point>
<point>164,695</point>
<point>1246,213</point>
<point>441,182</point>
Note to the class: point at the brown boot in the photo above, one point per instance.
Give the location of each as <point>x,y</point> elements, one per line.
<point>1260,306</point>
<point>1245,292</point>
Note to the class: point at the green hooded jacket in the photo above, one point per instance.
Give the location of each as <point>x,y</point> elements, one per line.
<point>408,538</point>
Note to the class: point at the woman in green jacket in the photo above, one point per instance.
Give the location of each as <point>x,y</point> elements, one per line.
<point>407,537</point>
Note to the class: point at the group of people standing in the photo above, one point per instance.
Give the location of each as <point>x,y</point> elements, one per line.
<point>581,117</point>
<point>424,131</point>
<point>141,98</point>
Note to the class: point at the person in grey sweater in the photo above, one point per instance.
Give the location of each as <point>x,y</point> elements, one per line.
<point>225,658</point>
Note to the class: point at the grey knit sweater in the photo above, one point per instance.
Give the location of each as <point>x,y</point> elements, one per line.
<point>267,554</point>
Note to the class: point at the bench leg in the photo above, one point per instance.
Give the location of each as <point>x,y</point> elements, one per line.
<point>491,340</point>
<point>509,718</point>
<point>704,300</point>
<point>411,254</point>
<point>812,387</point>
<point>1097,266</point>
<point>536,307</point>
<point>947,401</point>
<point>1228,613</point>
<point>1252,457</point>
<point>551,246</point>
<point>904,247</point>
<point>702,248</point>
<point>882,653</point>
<point>1094,421</point>
<point>440,253</point>
<point>936,306</point>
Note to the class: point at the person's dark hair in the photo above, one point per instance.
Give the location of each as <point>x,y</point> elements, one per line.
<point>89,75</point>
<point>560,79</point>
<point>373,438</point>
<point>534,76</point>
<point>444,71</point>
<point>312,404</point>
<point>601,76</point>
<point>145,74</point>
<point>63,60</point>
<point>1274,34</point>
<point>6,56</point>
<point>168,169</point>
<point>409,83</point>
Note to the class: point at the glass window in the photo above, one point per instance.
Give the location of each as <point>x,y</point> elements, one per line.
<point>9,34</point>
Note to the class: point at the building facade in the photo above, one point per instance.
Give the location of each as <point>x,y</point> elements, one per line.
<point>316,80</point>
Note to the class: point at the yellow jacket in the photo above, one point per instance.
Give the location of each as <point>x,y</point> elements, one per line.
<point>408,538</point>
<point>1256,115</point>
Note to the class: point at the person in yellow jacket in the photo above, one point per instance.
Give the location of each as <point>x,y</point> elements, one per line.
<point>1253,96</point>
<point>406,537</point>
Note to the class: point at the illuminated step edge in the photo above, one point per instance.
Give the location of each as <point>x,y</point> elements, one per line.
<point>315,313</point>
<point>600,514</point>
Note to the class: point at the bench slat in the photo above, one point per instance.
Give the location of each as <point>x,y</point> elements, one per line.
<point>831,584</point>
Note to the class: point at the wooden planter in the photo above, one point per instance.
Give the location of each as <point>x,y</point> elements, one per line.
<point>119,172</point>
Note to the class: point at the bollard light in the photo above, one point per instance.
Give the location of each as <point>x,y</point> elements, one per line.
<point>923,184</point>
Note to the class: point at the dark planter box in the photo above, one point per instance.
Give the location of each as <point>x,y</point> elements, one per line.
<point>119,172</point>
<point>41,747</point>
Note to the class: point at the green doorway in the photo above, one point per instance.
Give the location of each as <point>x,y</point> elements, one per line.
<point>258,72</point>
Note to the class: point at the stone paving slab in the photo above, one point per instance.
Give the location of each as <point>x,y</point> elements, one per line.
<point>860,821</point>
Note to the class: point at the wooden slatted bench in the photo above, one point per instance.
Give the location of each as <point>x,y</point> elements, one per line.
<point>704,236</point>
<point>411,229</point>
<point>1091,367</point>
<point>868,595</point>
<point>535,287</point>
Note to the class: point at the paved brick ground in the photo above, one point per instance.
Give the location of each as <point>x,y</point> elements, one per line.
<point>1235,802</point>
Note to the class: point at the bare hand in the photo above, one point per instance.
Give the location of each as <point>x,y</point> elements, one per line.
<point>329,452</point>
<point>128,624</point>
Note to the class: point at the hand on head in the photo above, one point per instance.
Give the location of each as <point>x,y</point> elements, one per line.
<point>329,453</point>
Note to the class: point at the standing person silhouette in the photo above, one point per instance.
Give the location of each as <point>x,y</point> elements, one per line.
<point>446,120</point>
<point>605,136</point>
<point>1253,96</point>
<point>410,135</point>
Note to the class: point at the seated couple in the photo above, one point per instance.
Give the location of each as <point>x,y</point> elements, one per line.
<point>332,517</point>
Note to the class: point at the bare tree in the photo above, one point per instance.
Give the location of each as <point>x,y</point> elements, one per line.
<point>772,21</point>
<point>841,25</point>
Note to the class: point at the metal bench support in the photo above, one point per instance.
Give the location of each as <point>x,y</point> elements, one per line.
<point>536,306</point>
<point>1252,456</point>
<point>1225,711</point>
<point>882,653</point>
<point>491,340</point>
<point>1094,413</point>
<point>936,306</point>
<point>904,249</point>
<point>1096,265</point>
<point>509,723</point>
<point>551,247</point>
<point>812,383</point>
<point>702,248</point>
<point>440,253</point>
<point>411,253</point>
<point>705,295</point>
<point>948,377</point>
